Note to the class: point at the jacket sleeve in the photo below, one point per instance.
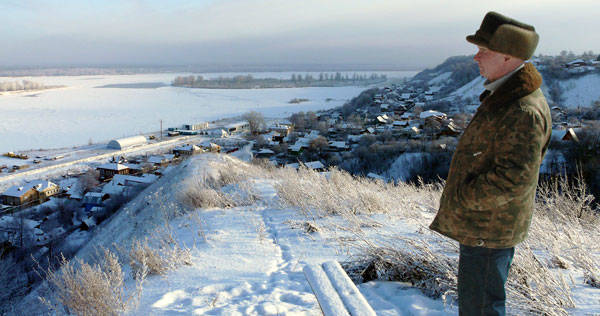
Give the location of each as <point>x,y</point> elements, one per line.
<point>518,144</point>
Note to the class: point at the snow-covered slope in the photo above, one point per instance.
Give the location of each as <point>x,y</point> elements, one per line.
<point>245,260</point>
<point>582,91</point>
<point>248,259</point>
<point>470,90</point>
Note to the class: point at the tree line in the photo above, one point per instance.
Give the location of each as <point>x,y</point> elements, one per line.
<point>22,86</point>
<point>295,80</point>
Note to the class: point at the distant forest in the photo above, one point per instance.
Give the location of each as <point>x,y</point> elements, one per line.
<point>24,85</point>
<point>296,81</point>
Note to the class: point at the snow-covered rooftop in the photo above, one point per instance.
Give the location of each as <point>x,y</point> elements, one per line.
<point>113,166</point>
<point>430,113</point>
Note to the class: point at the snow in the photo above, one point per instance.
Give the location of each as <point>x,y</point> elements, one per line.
<point>81,112</point>
<point>440,78</point>
<point>582,91</point>
<point>470,90</point>
<point>430,113</point>
<point>406,165</point>
<point>249,260</point>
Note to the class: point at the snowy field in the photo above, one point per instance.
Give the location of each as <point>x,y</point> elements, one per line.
<point>82,112</point>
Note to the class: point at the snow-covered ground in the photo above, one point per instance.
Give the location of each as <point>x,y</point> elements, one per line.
<point>248,260</point>
<point>582,91</point>
<point>82,112</point>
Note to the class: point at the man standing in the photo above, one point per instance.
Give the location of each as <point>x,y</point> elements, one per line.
<point>487,202</point>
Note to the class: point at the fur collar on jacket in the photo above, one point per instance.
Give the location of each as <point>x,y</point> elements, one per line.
<point>522,83</point>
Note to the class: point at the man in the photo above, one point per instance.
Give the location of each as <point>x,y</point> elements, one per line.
<point>487,202</point>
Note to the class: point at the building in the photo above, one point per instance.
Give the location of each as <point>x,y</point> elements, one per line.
<point>33,192</point>
<point>237,127</point>
<point>195,127</point>
<point>94,199</point>
<point>186,150</point>
<point>108,170</point>
<point>160,160</point>
<point>264,153</point>
<point>125,143</point>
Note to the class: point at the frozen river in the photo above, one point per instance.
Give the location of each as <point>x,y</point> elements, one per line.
<point>82,112</point>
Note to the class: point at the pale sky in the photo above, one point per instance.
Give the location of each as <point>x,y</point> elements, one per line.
<point>406,34</point>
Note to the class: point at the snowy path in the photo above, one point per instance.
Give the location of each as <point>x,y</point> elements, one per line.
<point>250,263</point>
<point>242,269</point>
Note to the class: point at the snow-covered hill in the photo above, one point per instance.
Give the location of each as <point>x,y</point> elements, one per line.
<point>245,260</point>
<point>582,91</point>
<point>245,249</point>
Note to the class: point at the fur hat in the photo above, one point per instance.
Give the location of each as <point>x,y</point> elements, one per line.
<point>505,35</point>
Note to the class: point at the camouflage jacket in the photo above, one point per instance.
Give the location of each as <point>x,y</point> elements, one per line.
<point>489,194</point>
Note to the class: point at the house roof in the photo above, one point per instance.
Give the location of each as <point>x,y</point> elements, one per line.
<point>19,190</point>
<point>430,113</point>
<point>265,151</point>
<point>337,144</point>
<point>310,165</point>
<point>123,179</point>
<point>187,148</point>
<point>113,166</point>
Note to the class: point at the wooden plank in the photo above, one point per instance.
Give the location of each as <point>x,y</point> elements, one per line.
<point>353,300</point>
<point>328,299</point>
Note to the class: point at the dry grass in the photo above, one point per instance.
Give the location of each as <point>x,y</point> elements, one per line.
<point>92,289</point>
<point>343,194</point>
<point>168,255</point>
<point>563,234</point>
<point>201,192</point>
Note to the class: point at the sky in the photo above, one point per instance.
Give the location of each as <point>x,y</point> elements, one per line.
<point>407,35</point>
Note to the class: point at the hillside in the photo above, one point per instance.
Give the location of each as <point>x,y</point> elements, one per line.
<point>567,86</point>
<point>232,238</point>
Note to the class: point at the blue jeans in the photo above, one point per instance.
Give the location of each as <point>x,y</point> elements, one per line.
<point>482,273</point>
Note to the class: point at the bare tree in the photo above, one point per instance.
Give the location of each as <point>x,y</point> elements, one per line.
<point>256,121</point>
<point>319,144</point>
<point>89,180</point>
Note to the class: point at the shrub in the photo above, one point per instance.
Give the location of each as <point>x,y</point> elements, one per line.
<point>97,289</point>
<point>157,260</point>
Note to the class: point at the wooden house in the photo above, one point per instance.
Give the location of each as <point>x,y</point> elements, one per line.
<point>108,170</point>
<point>33,192</point>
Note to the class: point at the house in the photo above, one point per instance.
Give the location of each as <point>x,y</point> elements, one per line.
<point>161,160</point>
<point>567,134</point>
<point>264,153</point>
<point>237,127</point>
<point>195,127</point>
<point>209,146</point>
<point>94,199</point>
<point>383,119</point>
<point>37,191</point>
<point>399,124</point>
<point>450,129</point>
<point>335,146</point>
<point>108,170</point>
<point>354,138</point>
<point>122,184</point>
<point>282,129</point>
<point>432,113</point>
<point>313,165</point>
<point>575,63</point>
<point>186,150</point>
